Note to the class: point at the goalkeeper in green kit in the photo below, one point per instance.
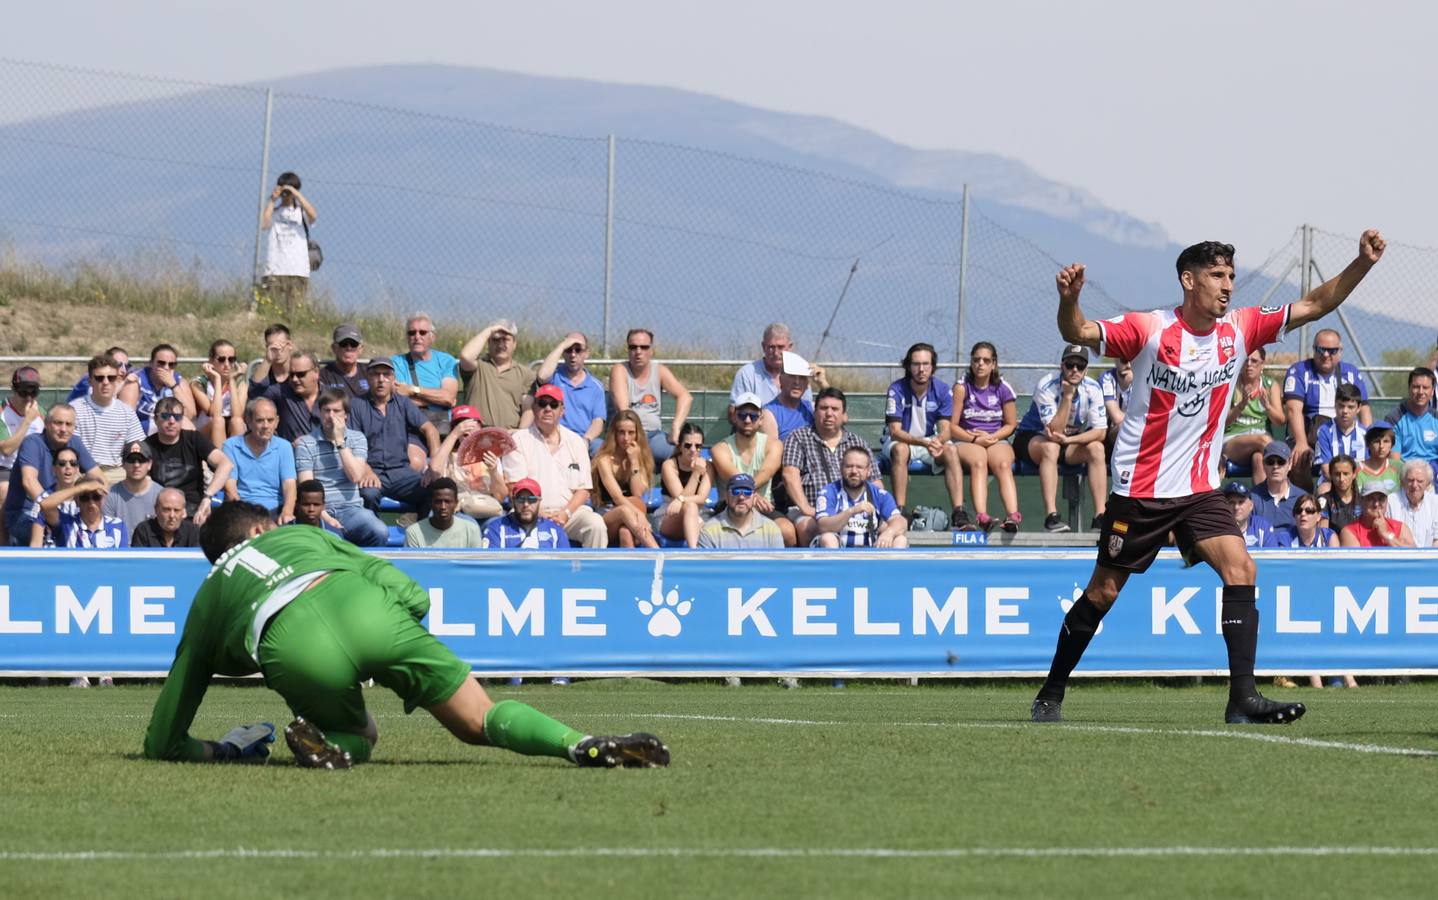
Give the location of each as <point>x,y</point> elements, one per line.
<point>316,616</point>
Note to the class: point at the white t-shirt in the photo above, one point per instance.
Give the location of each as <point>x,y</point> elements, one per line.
<point>1421,520</point>
<point>287,251</point>
<point>11,427</point>
<point>560,471</point>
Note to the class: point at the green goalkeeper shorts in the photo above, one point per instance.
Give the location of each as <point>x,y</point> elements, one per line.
<point>317,650</point>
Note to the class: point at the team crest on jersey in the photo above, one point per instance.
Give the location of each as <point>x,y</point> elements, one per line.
<point>1115,544</point>
<point>1225,344</point>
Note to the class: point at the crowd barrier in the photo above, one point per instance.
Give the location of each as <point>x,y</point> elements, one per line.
<point>966,613</point>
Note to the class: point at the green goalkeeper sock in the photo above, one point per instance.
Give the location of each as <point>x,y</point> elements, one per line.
<point>357,745</point>
<point>522,728</point>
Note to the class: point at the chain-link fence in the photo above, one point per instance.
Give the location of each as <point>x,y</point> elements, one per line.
<point>473,221</point>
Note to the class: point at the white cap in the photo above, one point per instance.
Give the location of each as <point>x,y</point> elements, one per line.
<point>748,398</point>
<point>794,364</point>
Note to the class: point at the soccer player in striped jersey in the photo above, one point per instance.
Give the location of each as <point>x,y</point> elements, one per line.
<point>1167,455</point>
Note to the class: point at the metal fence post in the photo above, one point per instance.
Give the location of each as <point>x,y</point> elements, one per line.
<point>1305,278</point>
<point>963,273</point>
<point>264,190</point>
<point>608,247</point>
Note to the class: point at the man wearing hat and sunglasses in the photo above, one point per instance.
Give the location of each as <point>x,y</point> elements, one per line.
<point>1066,423</point>
<point>20,417</point>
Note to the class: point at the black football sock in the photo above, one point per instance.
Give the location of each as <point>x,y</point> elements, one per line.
<point>1240,633</point>
<point>1078,629</point>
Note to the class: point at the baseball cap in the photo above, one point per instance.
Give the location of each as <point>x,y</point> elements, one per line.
<point>347,331</point>
<point>740,480</point>
<point>1074,351</point>
<point>1236,489</point>
<point>25,376</point>
<point>460,413</point>
<point>381,362</point>
<point>1375,429</point>
<point>507,326</point>
<point>552,391</point>
<point>139,447</point>
<point>1374,484</point>
<point>526,485</point>
<point>1276,448</point>
<point>794,364</point>
<point>748,398</point>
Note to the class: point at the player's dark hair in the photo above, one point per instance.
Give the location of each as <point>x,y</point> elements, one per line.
<point>275,329</point>
<point>229,525</point>
<point>919,348</point>
<point>1421,372</point>
<point>994,376</point>
<point>310,486</point>
<point>834,393</point>
<point>444,484</point>
<point>1203,255</point>
<point>1347,392</point>
<point>288,179</point>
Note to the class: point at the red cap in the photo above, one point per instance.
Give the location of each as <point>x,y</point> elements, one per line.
<point>460,413</point>
<point>526,484</point>
<point>552,391</point>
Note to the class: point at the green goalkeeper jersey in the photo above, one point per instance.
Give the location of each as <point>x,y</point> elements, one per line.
<point>245,588</point>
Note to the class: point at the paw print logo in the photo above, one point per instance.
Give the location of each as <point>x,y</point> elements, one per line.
<point>1067,603</point>
<point>664,611</point>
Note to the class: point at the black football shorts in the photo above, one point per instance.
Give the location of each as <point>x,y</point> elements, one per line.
<point>1134,529</point>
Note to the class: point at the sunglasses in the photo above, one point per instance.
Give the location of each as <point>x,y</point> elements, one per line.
<point>301,373</point>
<point>170,416</point>
<point>1075,366</point>
<point>348,344</point>
<point>747,416</point>
<point>27,392</point>
<point>525,498</point>
<point>741,492</point>
<point>1305,511</point>
<point>105,379</point>
<point>1328,351</point>
<point>417,332</point>
<point>575,348</point>
<point>230,359</point>
<point>546,403</point>
<point>134,459</point>
<point>1274,461</point>
<point>165,363</point>
<point>67,464</point>
<point>699,446</point>
<point>90,497</point>
<point>981,359</point>
<point>640,346</point>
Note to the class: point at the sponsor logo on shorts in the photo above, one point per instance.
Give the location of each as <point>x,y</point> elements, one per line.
<point>1115,544</point>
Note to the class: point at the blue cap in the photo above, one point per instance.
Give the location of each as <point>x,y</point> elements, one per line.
<point>740,481</point>
<point>1235,488</point>
<point>1278,449</point>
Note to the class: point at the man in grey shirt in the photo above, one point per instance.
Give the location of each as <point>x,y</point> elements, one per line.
<point>133,499</point>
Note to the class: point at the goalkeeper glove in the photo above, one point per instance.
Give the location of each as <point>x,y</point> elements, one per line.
<point>245,743</point>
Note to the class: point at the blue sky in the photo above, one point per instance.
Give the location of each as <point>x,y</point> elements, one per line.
<point>1227,120</point>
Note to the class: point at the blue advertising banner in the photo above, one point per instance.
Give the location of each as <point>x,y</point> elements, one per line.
<point>981,612</point>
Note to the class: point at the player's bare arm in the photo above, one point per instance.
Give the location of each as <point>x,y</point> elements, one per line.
<point>1072,325</point>
<point>1325,298</point>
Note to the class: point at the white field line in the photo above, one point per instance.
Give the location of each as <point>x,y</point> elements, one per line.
<point>245,853</point>
<point>1240,735</point>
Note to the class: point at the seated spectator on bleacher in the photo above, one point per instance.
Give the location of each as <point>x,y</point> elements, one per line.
<point>335,455</point>
<point>179,457</point>
<point>1309,389</point>
<point>344,372</point>
<point>442,528</point>
<point>88,527</point>
<point>1066,423</point>
<point>1257,531</point>
<point>389,423</point>
<point>482,485</point>
<point>221,390</point>
<point>132,500</point>
<point>739,525</point>
<point>103,423</point>
<point>916,427</point>
<point>1379,464</point>
<point>1307,532</point>
<point>789,410</point>
<point>427,377</point>
<point>852,512</point>
<point>129,391</point>
<point>296,397</point>
<point>584,408</point>
<point>1341,436</point>
<point>1415,427</point>
<point>1255,412</point>
<point>275,367</point>
<point>761,377</point>
<point>20,417</point>
<point>751,452</point>
<point>685,480</point>
<point>524,528</point>
<point>639,384</point>
<point>310,508</point>
<point>558,461</point>
<point>160,378</point>
<point>34,470</point>
<point>66,471</point>
<point>263,467</point>
<point>1274,496</point>
<point>985,414</point>
<point>1416,505</point>
<point>812,457</point>
<point>1375,528</point>
<point>168,527</point>
<point>1116,385</point>
<point>623,470</point>
<point>1342,503</point>
<point>497,383</point>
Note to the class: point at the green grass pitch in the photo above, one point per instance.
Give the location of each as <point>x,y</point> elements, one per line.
<point>879,790</point>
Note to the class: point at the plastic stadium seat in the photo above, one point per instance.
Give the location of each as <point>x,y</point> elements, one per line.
<point>653,497</point>
<point>391,505</point>
<point>396,537</point>
<point>916,467</point>
<point>670,543</point>
<point>1232,469</point>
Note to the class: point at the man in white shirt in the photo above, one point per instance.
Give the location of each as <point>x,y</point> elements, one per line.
<point>20,417</point>
<point>558,460</point>
<point>102,424</point>
<point>1416,505</point>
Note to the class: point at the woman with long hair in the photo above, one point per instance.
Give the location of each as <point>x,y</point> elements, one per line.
<point>1340,505</point>
<point>685,478</point>
<point>216,390</point>
<point>622,471</point>
<point>985,415</point>
<point>1308,532</point>
<point>1257,408</point>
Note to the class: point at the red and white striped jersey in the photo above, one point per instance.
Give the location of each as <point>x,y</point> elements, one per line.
<point>1170,441</point>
